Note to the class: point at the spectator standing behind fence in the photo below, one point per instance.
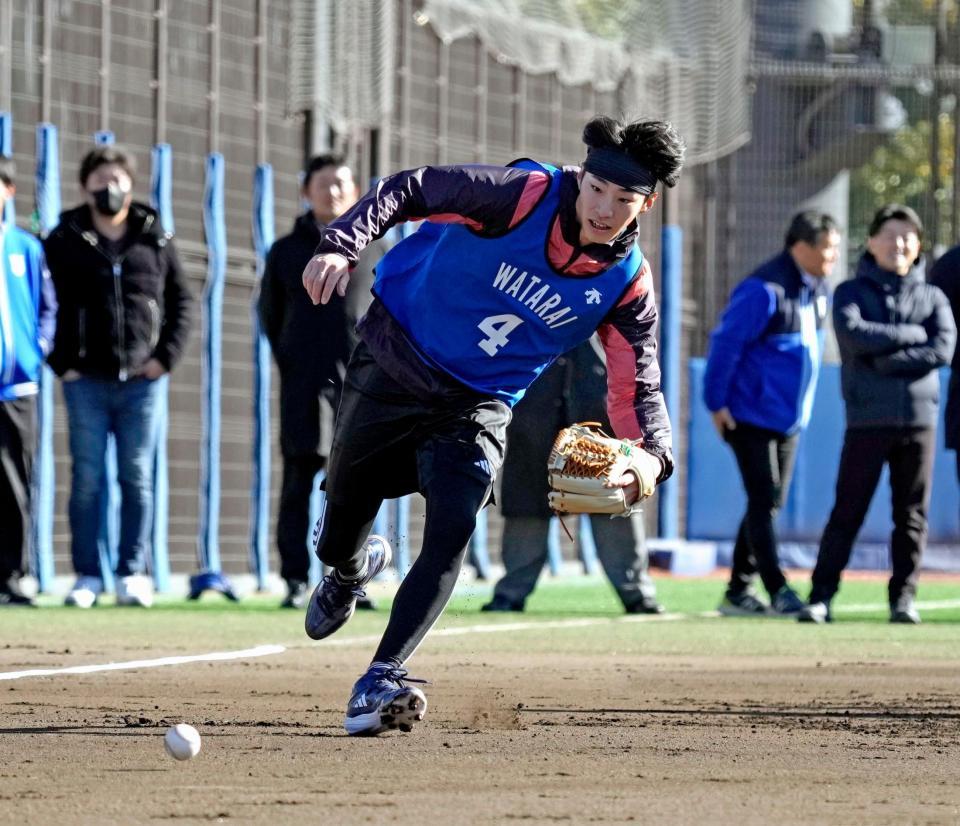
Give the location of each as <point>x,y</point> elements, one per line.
<point>123,321</point>
<point>573,389</point>
<point>27,317</point>
<point>894,331</point>
<point>311,345</point>
<point>761,375</point>
<point>945,274</point>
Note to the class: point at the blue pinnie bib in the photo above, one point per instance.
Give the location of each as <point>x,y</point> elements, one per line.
<point>492,312</point>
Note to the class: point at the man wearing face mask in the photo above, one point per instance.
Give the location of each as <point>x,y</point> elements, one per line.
<point>894,331</point>
<point>122,323</point>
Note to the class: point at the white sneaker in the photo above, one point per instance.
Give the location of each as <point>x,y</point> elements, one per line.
<point>135,590</point>
<point>85,592</point>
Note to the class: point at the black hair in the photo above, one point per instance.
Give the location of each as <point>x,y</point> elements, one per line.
<point>808,226</point>
<point>103,155</point>
<point>8,171</point>
<point>655,144</point>
<point>895,212</point>
<point>318,162</point>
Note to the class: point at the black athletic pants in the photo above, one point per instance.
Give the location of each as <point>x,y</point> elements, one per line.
<point>389,442</point>
<point>765,459</point>
<point>909,452</point>
<point>18,432</point>
<point>293,515</point>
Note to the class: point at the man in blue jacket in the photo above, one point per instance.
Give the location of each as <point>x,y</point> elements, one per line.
<point>28,312</point>
<point>894,331</point>
<point>761,375</point>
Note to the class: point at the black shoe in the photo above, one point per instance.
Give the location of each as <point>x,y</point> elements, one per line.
<point>743,604</point>
<point>502,604</point>
<point>647,605</point>
<point>904,611</point>
<point>296,594</point>
<point>366,604</point>
<point>10,594</point>
<point>786,603</point>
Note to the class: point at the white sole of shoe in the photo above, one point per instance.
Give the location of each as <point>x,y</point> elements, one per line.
<point>728,611</point>
<point>402,712</point>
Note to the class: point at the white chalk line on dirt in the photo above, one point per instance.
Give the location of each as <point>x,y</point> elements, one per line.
<point>247,653</point>
<point>268,650</point>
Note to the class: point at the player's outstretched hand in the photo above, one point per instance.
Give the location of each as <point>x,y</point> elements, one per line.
<point>324,274</point>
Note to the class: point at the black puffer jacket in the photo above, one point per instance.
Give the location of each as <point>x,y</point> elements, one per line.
<point>894,332</point>
<point>119,306</point>
<point>946,275</point>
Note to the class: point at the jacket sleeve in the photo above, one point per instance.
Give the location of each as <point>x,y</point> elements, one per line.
<point>869,338</point>
<point>270,303</point>
<point>937,352</point>
<point>751,307</point>
<point>177,309</point>
<point>635,403</point>
<point>488,199</point>
<point>65,353</point>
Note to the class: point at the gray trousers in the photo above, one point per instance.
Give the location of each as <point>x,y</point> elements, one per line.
<point>621,549</point>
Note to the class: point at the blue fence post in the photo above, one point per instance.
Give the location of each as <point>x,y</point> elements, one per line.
<point>479,555</point>
<point>587,546</point>
<point>554,554</point>
<point>161,198</point>
<point>48,215</point>
<point>6,151</point>
<point>263,236</point>
<point>208,539</point>
<point>317,497</point>
<point>108,534</point>
<point>402,557</point>
<point>671,301</point>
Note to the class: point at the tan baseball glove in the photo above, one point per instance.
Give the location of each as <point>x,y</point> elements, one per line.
<point>585,465</point>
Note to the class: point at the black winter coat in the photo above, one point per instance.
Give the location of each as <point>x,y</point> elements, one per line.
<point>572,389</point>
<point>946,275</point>
<point>894,332</point>
<point>117,310</point>
<point>311,343</point>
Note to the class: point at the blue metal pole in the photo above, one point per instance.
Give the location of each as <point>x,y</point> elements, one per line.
<point>479,555</point>
<point>317,497</point>
<point>402,558</point>
<point>554,553</point>
<point>48,215</point>
<point>263,237</point>
<point>208,539</point>
<point>6,151</point>
<point>671,301</point>
<point>161,198</point>
<point>588,547</point>
<point>108,535</point>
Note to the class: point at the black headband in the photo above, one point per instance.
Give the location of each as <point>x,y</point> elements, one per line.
<point>620,169</point>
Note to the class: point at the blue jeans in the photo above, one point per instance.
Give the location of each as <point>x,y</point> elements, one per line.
<point>96,408</point>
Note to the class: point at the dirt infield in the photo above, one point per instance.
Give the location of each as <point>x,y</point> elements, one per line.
<point>509,737</point>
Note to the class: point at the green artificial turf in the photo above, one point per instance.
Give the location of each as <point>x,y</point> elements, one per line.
<point>549,625</point>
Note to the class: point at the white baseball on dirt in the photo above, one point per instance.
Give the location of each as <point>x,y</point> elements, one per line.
<point>182,741</point>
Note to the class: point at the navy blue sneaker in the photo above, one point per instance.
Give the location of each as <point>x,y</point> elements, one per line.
<point>382,700</point>
<point>334,601</point>
<point>786,603</point>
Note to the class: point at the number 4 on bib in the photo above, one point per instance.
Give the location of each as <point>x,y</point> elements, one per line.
<point>497,328</point>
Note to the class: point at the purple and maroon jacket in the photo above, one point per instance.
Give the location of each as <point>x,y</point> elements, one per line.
<point>492,200</point>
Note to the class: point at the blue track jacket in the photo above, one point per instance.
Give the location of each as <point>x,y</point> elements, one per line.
<point>28,311</point>
<point>765,353</point>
